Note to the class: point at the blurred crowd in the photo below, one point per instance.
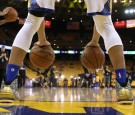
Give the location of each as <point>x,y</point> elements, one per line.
<point>91,79</point>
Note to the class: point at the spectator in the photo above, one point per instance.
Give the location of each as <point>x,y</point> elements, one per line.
<point>52,75</point>
<point>22,73</point>
<point>65,82</point>
<point>130,76</point>
<point>20,81</point>
<point>78,82</point>
<point>46,77</point>
<point>44,84</point>
<point>3,63</point>
<point>97,83</point>
<point>107,77</point>
<point>94,79</point>
<point>90,80</point>
<point>38,80</point>
<point>44,81</point>
<point>72,82</point>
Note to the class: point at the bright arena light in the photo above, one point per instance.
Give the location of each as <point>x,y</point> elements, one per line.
<point>33,79</point>
<point>58,0</point>
<point>126,11</point>
<point>62,76</point>
<point>115,1</point>
<point>131,11</point>
<point>124,1</point>
<point>80,1</point>
<point>130,1</point>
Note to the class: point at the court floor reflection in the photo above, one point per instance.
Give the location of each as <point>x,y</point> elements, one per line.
<point>67,94</point>
<point>66,101</point>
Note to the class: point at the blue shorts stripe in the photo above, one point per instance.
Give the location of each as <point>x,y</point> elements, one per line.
<point>42,9</point>
<point>99,13</point>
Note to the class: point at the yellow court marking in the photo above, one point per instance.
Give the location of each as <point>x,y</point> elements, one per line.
<point>4,110</point>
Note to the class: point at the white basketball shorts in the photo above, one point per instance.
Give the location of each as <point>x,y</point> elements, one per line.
<point>98,7</point>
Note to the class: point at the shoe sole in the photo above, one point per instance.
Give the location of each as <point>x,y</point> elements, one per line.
<point>6,101</point>
<point>8,98</point>
<point>126,102</point>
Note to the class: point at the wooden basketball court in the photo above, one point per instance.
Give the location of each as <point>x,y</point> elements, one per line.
<point>67,101</point>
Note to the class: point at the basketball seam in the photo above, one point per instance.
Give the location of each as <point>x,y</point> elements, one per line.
<point>83,60</point>
<point>95,57</point>
<point>38,48</point>
<point>42,57</point>
<point>36,64</point>
<point>88,61</point>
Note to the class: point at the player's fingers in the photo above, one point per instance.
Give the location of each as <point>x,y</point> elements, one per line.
<point>6,10</point>
<point>92,44</point>
<point>39,44</point>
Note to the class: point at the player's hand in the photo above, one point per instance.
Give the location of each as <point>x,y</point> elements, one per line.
<point>8,21</point>
<point>42,44</point>
<point>6,10</point>
<point>92,43</point>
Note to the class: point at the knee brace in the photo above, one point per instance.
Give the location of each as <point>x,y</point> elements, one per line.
<point>106,29</point>
<point>25,35</point>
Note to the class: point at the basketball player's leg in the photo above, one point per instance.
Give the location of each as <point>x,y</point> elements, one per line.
<point>95,38</point>
<point>113,45</point>
<point>114,48</point>
<point>22,43</point>
<point>20,46</point>
<point>114,52</point>
<point>42,40</point>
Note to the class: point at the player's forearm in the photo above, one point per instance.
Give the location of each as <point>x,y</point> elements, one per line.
<point>3,22</point>
<point>96,35</point>
<point>1,13</point>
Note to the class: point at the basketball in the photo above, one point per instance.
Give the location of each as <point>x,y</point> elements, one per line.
<point>42,56</point>
<point>11,15</point>
<point>93,57</point>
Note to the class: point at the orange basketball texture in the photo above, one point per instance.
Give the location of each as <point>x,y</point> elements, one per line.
<point>42,57</point>
<point>93,57</point>
<point>12,14</point>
